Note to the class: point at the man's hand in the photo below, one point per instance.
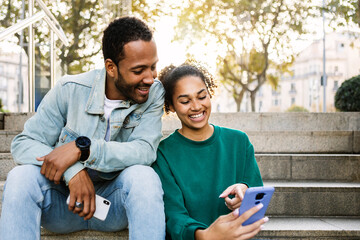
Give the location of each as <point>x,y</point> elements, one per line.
<point>228,227</point>
<point>82,191</point>
<point>58,160</point>
<point>238,190</point>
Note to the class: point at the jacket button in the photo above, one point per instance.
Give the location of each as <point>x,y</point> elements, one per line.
<point>102,118</point>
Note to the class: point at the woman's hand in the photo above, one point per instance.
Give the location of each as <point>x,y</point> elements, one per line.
<point>238,190</point>
<point>230,226</point>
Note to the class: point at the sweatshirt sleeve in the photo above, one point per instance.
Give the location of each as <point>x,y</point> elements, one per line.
<point>179,225</point>
<point>252,176</point>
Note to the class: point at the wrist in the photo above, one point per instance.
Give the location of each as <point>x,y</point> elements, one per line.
<point>200,234</point>
<point>77,151</point>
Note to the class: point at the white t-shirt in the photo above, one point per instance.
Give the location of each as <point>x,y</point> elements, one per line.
<point>109,105</point>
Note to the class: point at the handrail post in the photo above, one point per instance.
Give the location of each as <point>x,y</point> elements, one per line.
<point>31,59</point>
<point>52,59</point>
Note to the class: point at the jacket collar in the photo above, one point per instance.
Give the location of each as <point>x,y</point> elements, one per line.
<point>95,103</point>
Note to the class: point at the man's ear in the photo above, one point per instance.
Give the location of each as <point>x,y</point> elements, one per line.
<point>110,67</point>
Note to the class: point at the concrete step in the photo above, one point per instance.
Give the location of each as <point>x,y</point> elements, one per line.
<point>315,199</point>
<point>2,121</point>
<point>311,228</point>
<point>310,167</point>
<point>303,141</point>
<point>5,140</point>
<point>243,121</point>
<point>85,235</point>
<point>278,121</point>
<point>6,164</point>
<point>310,199</point>
<point>285,167</point>
<point>15,121</point>
<point>276,228</point>
<point>285,227</point>
<point>273,141</point>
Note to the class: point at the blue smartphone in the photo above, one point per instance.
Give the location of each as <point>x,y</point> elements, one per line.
<point>254,196</point>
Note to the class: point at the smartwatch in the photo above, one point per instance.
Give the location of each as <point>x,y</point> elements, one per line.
<point>83,143</point>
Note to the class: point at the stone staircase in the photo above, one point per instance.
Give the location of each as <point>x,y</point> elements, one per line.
<point>312,159</point>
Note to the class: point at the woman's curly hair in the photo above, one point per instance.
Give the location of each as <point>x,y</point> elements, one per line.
<point>171,74</point>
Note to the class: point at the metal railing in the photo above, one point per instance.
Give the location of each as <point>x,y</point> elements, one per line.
<point>55,27</point>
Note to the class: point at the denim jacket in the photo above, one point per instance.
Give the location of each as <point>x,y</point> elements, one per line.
<point>75,107</point>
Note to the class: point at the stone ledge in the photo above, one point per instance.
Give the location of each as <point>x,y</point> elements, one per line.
<point>311,228</point>
<point>310,167</point>
<point>280,167</point>
<point>1,121</point>
<point>85,235</point>
<point>344,121</point>
<point>278,121</point>
<point>302,141</point>
<point>276,228</point>
<point>314,199</point>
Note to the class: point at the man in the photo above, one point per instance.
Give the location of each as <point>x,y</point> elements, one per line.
<point>95,132</point>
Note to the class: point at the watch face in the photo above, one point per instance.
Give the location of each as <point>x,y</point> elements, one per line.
<point>83,142</point>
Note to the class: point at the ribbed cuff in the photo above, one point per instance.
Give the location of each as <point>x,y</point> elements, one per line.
<point>189,232</point>
<point>72,171</point>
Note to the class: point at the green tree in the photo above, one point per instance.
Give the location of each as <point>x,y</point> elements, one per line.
<point>257,36</point>
<point>150,11</point>
<point>344,11</point>
<point>347,97</point>
<point>295,108</point>
<point>1,106</point>
<point>82,21</point>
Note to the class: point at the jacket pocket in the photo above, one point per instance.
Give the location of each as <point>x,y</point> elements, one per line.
<point>132,120</point>
<point>67,135</point>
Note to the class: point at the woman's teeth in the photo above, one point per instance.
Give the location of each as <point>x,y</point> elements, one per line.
<point>197,115</point>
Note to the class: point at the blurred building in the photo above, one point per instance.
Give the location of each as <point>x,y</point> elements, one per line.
<point>304,87</point>
<point>13,78</point>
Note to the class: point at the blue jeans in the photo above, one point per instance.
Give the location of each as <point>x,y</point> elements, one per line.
<point>31,200</point>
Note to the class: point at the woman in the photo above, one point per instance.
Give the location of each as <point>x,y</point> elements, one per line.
<point>199,161</point>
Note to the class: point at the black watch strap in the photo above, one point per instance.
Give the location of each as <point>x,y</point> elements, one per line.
<point>83,143</point>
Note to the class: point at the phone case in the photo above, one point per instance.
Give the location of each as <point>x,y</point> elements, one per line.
<point>254,196</point>
<point>102,207</point>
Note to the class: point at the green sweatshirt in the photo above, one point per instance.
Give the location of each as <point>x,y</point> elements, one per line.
<point>194,174</point>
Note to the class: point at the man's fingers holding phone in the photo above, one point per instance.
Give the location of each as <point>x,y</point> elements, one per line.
<point>88,209</point>
<point>84,209</point>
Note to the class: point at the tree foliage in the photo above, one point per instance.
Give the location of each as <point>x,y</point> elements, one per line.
<point>346,10</point>
<point>149,11</point>
<point>1,106</point>
<point>257,36</point>
<point>295,108</point>
<point>347,97</point>
<point>83,22</point>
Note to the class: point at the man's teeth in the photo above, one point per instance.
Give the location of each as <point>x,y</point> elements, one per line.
<point>196,116</point>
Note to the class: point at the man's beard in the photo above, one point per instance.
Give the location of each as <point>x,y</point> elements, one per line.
<point>129,91</point>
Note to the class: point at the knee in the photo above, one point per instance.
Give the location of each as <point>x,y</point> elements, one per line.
<point>21,178</point>
<point>143,179</point>
<point>23,173</point>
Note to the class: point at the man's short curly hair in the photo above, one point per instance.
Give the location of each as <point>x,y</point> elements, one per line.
<point>171,74</point>
<point>120,32</point>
